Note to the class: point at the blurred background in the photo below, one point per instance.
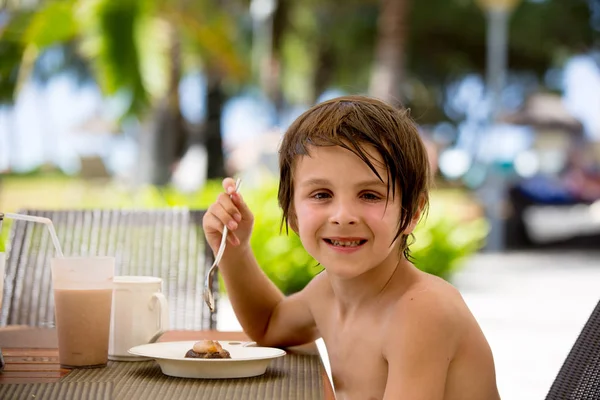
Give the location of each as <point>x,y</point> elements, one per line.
<point>148,104</point>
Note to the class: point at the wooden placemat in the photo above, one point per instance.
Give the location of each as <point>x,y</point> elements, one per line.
<point>293,377</point>
<point>57,391</point>
<point>22,336</point>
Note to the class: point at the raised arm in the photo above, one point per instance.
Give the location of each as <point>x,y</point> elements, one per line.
<point>266,315</point>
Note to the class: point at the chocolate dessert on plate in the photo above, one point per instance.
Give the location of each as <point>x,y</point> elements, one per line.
<point>207,349</point>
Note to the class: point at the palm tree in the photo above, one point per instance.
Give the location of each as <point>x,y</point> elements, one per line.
<point>133,50</point>
<point>390,50</point>
<point>210,32</point>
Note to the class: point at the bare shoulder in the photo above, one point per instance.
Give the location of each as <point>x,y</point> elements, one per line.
<point>422,336</point>
<point>432,309</point>
<point>432,328</point>
<point>432,299</point>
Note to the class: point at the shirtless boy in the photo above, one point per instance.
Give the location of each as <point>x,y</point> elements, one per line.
<point>353,185</point>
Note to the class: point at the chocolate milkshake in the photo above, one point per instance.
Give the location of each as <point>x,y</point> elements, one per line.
<point>83,324</point>
<point>83,292</point>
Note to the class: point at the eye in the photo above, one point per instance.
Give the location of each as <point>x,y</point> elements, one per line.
<point>320,195</point>
<point>370,196</point>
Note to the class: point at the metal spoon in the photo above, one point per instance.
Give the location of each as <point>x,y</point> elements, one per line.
<point>208,294</point>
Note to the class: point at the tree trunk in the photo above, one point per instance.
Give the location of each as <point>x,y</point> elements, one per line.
<point>326,65</point>
<point>168,138</point>
<point>388,71</point>
<point>179,130</point>
<point>280,24</point>
<point>215,98</point>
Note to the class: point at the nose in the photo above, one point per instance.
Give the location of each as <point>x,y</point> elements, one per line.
<point>343,213</point>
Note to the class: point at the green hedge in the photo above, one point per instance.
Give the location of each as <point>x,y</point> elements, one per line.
<point>443,241</point>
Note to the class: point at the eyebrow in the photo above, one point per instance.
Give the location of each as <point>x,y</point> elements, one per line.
<point>315,182</point>
<point>325,182</point>
<point>371,182</point>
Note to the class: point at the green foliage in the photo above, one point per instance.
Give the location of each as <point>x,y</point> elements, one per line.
<point>125,46</point>
<point>4,235</point>
<point>443,242</point>
<point>11,54</point>
<point>119,66</point>
<point>342,57</point>
<point>26,35</point>
<point>54,23</point>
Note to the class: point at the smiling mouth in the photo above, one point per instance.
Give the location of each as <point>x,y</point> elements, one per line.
<point>345,243</point>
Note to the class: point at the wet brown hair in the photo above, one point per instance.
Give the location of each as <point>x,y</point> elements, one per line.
<point>352,122</point>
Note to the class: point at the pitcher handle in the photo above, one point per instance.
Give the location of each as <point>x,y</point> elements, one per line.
<point>163,317</point>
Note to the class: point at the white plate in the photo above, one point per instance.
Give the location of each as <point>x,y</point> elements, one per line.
<point>246,359</point>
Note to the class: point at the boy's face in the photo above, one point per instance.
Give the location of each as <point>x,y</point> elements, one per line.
<point>342,213</point>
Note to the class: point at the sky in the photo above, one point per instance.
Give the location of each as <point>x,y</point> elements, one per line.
<point>582,93</point>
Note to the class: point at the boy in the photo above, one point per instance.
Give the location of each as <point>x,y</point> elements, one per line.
<point>354,182</point>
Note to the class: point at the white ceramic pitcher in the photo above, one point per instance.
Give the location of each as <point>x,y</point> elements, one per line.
<point>140,311</point>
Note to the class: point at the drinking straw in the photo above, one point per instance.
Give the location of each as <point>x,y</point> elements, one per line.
<point>41,220</point>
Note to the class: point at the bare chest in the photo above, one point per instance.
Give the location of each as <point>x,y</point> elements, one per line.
<point>358,367</point>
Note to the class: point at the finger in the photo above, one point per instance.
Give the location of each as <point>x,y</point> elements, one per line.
<point>229,185</point>
<point>224,210</point>
<point>238,200</point>
<point>233,239</point>
<point>212,223</point>
<point>229,207</point>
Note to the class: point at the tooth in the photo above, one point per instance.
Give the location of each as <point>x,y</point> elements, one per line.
<point>345,244</point>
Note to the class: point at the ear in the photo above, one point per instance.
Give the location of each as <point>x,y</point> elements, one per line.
<point>416,217</point>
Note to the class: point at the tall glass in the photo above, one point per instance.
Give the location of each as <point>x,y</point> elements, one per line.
<point>83,292</point>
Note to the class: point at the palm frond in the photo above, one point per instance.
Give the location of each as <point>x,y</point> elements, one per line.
<point>118,63</point>
<point>214,36</point>
<point>54,23</point>
<point>11,52</point>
